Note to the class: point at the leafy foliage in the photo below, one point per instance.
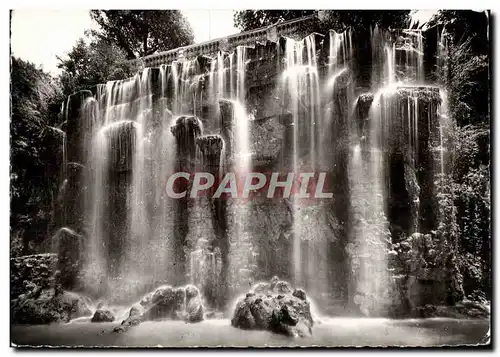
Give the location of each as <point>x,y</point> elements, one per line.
<point>35,100</point>
<point>361,20</point>
<point>247,20</point>
<point>364,20</point>
<point>469,79</point>
<point>143,32</point>
<point>467,72</point>
<point>88,64</point>
<point>465,201</point>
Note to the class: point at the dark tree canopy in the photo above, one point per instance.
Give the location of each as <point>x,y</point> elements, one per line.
<point>464,24</point>
<point>363,20</point>
<point>247,20</point>
<point>336,19</point>
<point>143,32</point>
<point>88,64</point>
<point>468,64</point>
<point>35,102</point>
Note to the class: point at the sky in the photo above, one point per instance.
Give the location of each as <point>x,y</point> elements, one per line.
<point>56,31</point>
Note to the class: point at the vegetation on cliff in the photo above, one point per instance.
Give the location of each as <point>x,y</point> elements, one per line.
<point>468,202</point>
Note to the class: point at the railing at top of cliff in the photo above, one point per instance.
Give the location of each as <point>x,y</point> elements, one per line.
<point>272,33</point>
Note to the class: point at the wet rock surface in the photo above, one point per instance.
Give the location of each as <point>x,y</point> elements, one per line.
<point>69,245</point>
<point>30,273</point>
<point>47,306</point>
<point>103,316</point>
<point>166,303</point>
<point>274,307</point>
<point>424,280</point>
<point>194,305</point>
<point>37,296</point>
<point>462,310</point>
<point>134,318</point>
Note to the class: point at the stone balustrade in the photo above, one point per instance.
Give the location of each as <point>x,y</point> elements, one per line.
<point>226,44</point>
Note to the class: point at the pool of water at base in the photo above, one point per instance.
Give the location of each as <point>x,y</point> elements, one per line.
<point>327,332</point>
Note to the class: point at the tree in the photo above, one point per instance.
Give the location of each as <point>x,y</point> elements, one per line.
<point>35,103</point>
<point>89,64</point>
<point>364,20</point>
<point>247,20</point>
<point>465,24</point>
<point>468,64</point>
<point>143,32</point>
<point>361,20</point>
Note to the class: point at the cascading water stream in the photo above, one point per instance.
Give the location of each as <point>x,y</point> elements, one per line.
<point>242,245</point>
<point>129,155</point>
<point>139,229</point>
<point>442,68</point>
<point>96,271</point>
<point>301,88</point>
<point>396,63</point>
<point>367,176</point>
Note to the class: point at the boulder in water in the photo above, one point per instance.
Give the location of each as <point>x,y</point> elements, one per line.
<point>135,317</point>
<point>194,306</point>
<point>103,316</point>
<point>287,313</point>
<point>48,306</point>
<point>165,303</point>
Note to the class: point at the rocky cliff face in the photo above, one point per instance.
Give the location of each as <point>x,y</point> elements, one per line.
<point>223,255</point>
<point>32,272</point>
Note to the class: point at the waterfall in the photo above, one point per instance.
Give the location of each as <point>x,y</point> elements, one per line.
<point>445,122</point>
<point>138,200</point>
<point>394,118</point>
<point>221,75</point>
<point>128,151</point>
<point>408,53</point>
<point>442,70</point>
<point>96,272</point>
<point>241,240</point>
<point>64,160</point>
<point>340,50</point>
<point>370,228</point>
<point>240,72</point>
<point>302,100</point>
<point>227,114</point>
<point>397,57</point>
